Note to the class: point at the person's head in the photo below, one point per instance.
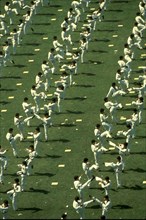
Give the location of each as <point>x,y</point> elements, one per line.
<point>28,12</point>
<point>64,215</point>
<point>113,84</point>
<point>97,126</point>
<point>102,217</point>
<point>93,141</point>
<point>107,178</point>
<point>64,28</point>
<point>138,14</point>
<point>128,126</point>
<point>54,99</point>
<point>11,130</point>
<point>85,160</point>
<point>141,99</point>
<point>121,57</point>
<point>20,20</point>
<point>106,198</point>
<point>77,198</point>
<point>135,110</point>
<point>126,45</point>
<point>119,158</point>
<point>33,87</point>
<point>40,74</point>
<point>37,130</point>
<point>55,38</point>
<point>15,30</point>
<point>106,99</point>
<point>44,62</point>
<point>119,71</point>
<point>61,87</point>
<point>125,145</point>
<point>6,203</point>
<point>25,99</point>
<point>31,147</point>
<point>17,115</point>
<point>76,177</point>
<point>46,114</point>
<point>7,3</point>
<point>24,163</point>
<point>16,180</point>
<point>52,50</point>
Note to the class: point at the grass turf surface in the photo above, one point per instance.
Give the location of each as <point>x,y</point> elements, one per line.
<point>41,199</point>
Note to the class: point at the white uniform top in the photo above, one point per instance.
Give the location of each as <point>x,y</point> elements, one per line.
<point>109,104</point>
<point>34,93</point>
<point>121,63</point>
<point>56,44</point>
<point>75,4</point>
<point>127,51</point>
<point>139,19</point>
<point>64,35</point>
<point>45,68</point>
<point>130,41</point>
<point>77,205</point>
<point>135,30</point>
<point>103,117</point>
<point>26,106</point>
<point>32,155</point>
<point>111,91</point>
<point>9,136</point>
<point>77,184</point>
<point>94,147</point>
<point>85,166</point>
<point>17,188</point>
<point>7,9</point>
<point>38,80</point>
<point>97,132</point>
<point>51,56</point>
<point>23,169</point>
<point>18,121</point>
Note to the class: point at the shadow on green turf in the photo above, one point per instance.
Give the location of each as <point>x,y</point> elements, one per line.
<point>139,170</point>
<point>38,190</point>
<point>100,51</point>
<point>50,14</point>
<point>112,20</point>
<point>76,98</point>
<point>53,156</point>
<point>121,1</point>
<point>94,207</point>
<point>106,30</point>
<point>89,74</point>
<point>119,206</point>
<point>42,24</point>
<point>85,86</point>
<point>20,65</point>
<point>115,10</point>
<point>24,54</point>
<point>34,209</point>
<point>67,125</point>
<point>10,77</point>
<point>75,112</point>
<point>102,40</point>
<point>4,102</point>
<point>59,140</point>
<point>43,174</point>
<point>136,187</point>
<point>32,44</point>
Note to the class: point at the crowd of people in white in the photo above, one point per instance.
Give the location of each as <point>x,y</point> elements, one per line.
<point>61,51</point>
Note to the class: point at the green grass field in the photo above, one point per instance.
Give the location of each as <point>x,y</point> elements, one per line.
<point>83,100</point>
